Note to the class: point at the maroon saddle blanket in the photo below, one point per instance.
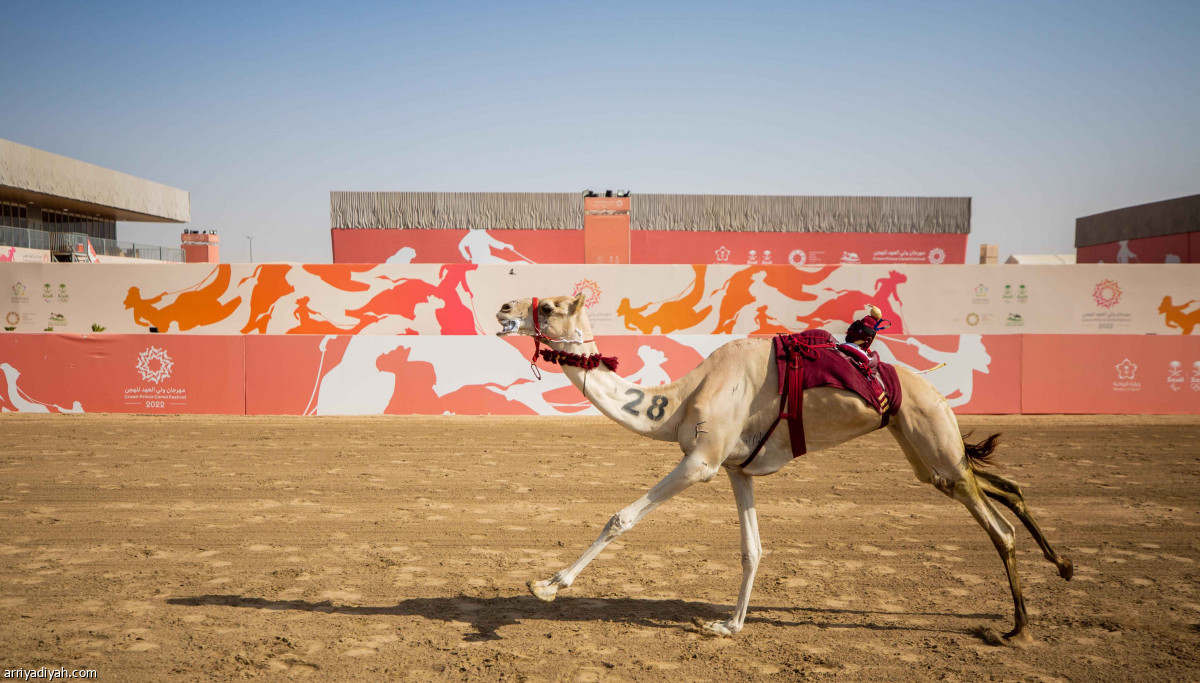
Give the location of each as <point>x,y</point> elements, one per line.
<point>811,359</point>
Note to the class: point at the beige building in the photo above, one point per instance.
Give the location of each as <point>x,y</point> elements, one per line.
<point>57,205</point>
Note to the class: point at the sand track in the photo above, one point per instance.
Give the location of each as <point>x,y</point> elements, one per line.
<point>199,548</point>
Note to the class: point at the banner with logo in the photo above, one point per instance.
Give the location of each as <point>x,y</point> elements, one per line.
<point>62,373</point>
<point>462,299</point>
<point>482,247</point>
<point>1116,374</point>
<point>23,255</point>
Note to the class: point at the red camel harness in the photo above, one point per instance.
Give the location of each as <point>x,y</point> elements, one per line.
<point>791,352</point>
<point>562,357</point>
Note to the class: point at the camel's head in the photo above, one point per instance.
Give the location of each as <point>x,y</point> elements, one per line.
<point>558,317</point>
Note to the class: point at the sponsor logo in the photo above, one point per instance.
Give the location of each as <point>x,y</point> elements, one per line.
<point>1022,294</point>
<point>937,256</point>
<point>981,291</point>
<point>723,254</point>
<point>972,319</point>
<point>63,297</point>
<point>1126,369</point>
<point>12,318</point>
<point>850,257</point>
<point>797,257</point>
<point>753,258</point>
<point>57,320</point>
<point>1175,378</point>
<point>1008,292</point>
<point>154,365</point>
<point>1127,377</point>
<point>47,293</point>
<point>590,290</point>
<point>1107,293</point>
<point>18,289</point>
<point>1015,320</point>
<point>1195,381</point>
<point>766,259</point>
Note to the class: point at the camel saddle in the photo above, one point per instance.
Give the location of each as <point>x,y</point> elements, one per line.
<point>812,358</point>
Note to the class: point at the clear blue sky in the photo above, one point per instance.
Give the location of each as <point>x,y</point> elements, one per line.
<point>1040,111</point>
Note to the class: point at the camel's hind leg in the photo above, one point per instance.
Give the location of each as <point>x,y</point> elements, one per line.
<point>1008,493</point>
<point>927,432</point>
<point>691,469</point>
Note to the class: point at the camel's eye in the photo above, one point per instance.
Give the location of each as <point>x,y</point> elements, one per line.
<point>547,309</point>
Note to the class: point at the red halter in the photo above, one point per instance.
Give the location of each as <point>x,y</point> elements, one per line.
<point>562,357</point>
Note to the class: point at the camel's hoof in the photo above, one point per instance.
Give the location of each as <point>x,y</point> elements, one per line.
<point>543,590</point>
<point>1066,569</point>
<point>713,628</point>
<point>1018,637</point>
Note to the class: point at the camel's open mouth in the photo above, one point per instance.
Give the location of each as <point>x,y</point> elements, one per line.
<point>508,327</point>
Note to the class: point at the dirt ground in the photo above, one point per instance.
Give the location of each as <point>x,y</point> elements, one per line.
<point>155,548</point>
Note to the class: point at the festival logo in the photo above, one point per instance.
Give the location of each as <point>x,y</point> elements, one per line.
<point>850,257</point>
<point>57,320</point>
<point>797,257</point>
<point>590,290</point>
<point>1175,378</point>
<point>937,256</point>
<point>723,254</point>
<point>18,291</point>
<point>972,319</point>
<point>1107,293</point>
<point>12,318</point>
<point>154,365</point>
<point>1015,320</point>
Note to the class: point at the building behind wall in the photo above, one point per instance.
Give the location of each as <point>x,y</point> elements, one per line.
<point>487,227</point>
<point>1159,232</point>
<point>54,208</point>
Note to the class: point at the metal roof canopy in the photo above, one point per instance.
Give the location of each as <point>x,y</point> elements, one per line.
<point>1168,217</point>
<point>734,213</point>
<point>52,181</point>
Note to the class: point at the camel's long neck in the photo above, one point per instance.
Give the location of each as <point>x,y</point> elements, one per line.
<point>654,412</point>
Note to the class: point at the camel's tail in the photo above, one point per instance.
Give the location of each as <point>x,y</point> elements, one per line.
<point>981,453</point>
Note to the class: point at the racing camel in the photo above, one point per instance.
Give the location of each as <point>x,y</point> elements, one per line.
<point>720,411</point>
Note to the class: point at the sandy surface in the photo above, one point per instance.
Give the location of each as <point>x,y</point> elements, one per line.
<point>163,548</point>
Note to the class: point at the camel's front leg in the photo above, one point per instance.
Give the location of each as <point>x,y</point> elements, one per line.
<point>743,493</point>
<point>689,471</point>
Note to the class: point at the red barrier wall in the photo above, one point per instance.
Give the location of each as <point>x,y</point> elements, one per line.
<point>478,375</point>
<point>797,248</point>
<point>122,374</point>
<point>457,246</point>
<point>1110,375</point>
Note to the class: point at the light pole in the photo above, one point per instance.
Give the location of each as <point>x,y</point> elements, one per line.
<point>251,248</point>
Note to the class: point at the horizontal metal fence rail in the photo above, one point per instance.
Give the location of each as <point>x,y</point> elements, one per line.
<point>76,243</point>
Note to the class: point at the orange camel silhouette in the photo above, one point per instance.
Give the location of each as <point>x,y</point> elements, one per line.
<point>340,275</point>
<point>676,314</point>
<point>786,280</point>
<point>270,285</point>
<point>1175,317</point>
<point>849,302</point>
<point>189,309</point>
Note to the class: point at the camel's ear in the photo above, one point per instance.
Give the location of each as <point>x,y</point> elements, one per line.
<point>580,299</point>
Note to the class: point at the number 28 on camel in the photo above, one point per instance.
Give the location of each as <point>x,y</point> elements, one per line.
<point>724,412</point>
